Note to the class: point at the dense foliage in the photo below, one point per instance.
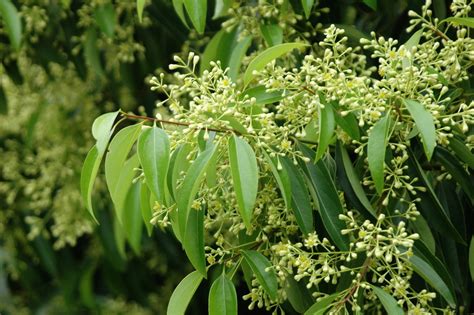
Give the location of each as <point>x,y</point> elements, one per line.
<point>304,162</point>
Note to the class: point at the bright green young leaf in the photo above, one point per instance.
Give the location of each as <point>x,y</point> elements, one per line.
<point>462,151</point>
<point>178,6</point>
<point>307,7</point>
<point>268,55</point>
<point>300,200</point>
<point>183,294</point>
<point>427,272</point>
<point>12,22</point>
<point>282,178</point>
<point>371,3</point>
<point>106,19</point>
<point>244,169</point>
<point>409,44</point>
<point>190,186</point>
<point>118,196</point>
<point>320,307</point>
<point>101,131</point>
<point>327,124</point>
<point>222,297</point>
<point>132,217</point>
<point>117,154</point>
<point>154,153</point>
<point>330,206</point>
<point>354,180</point>
<point>272,33</point>
<point>378,140</point>
<point>425,124</point>
<point>267,279</point>
<point>140,7</point>
<point>145,207</point>
<point>464,21</point>
<point>388,302</point>
<point>221,8</point>
<point>238,54</point>
<point>471,258</point>
<point>197,11</point>
<point>193,240</point>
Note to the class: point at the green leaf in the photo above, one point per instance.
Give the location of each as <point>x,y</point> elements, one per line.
<point>471,258</point>
<point>145,207</point>
<point>120,238</point>
<point>349,124</point>
<point>464,21</point>
<point>106,19</point>
<point>238,54</point>
<point>301,203</point>
<point>101,131</point>
<point>197,11</point>
<point>193,240</point>
<point>154,153</point>
<point>378,140</point>
<point>221,8</point>
<point>330,206</point>
<point>327,124</point>
<point>427,272</point>
<point>191,184</point>
<point>426,236</point>
<point>183,294</point>
<point>462,151</point>
<point>3,102</point>
<point>322,305</point>
<point>410,43</point>
<point>371,3</point>
<point>282,178</point>
<point>117,176</point>
<point>425,124</point>
<point>268,55</point>
<point>92,54</point>
<point>262,96</point>
<point>12,22</point>
<point>219,48</point>
<point>267,279</point>
<point>179,9</point>
<point>244,169</point>
<point>298,295</point>
<point>307,7</point>
<point>354,179</point>
<point>140,7</point>
<point>178,163</point>
<point>222,297</point>
<point>272,33</point>
<point>388,302</point>
<point>132,217</point>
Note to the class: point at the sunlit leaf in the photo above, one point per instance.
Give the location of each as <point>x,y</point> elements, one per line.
<point>221,8</point>
<point>140,7</point>
<point>272,33</point>
<point>307,7</point>
<point>12,21</point>
<point>327,124</point>
<point>179,9</point>
<point>320,307</point>
<point>222,297</point>
<point>238,54</point>
<point>259,264</point>
<point>183,294</point>
<point>388,302</point>
<point>378,140</point>
<point>464,21</point>
<point>197,11</point>
<point>282,178</point>
<point>425,124</point>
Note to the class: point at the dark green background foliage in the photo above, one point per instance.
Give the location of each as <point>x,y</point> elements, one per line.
<point>87,59</point>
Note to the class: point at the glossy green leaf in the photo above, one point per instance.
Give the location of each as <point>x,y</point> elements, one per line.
<point>321,306</point>
<point>327,124</point>
<point>106,19</point>
<point>463,21</point>
<point>298,295</point>
<point>101,131</point>
<point>237,56</point>
<point>178,163</point>
<point>267,279</point>
<point>12,22</point>
<point>193,240</point>
<point>354,179</point>
<point>132,221</point>
<point>178,6</point>
<point>426,236</point>
<point>409,44</point>
<point>222,297</point>
<point>183,294</point>
<point>154,153</point>
<point>330,206</point>
<point>268,55</point>
<point>462,151</point>
<point>307,7</point>
<point>145,207</point>
<point>262,96</point>
<point>191,184</point>
<point>300,198</point>
<point>282,178</point>
<point>425,124</point>
<point>140,7</point>
<point>388,302</point>
<point>197,11</point>
<point>378,140</point>
<point>371,3</point>
<point>471,258</point>
<point>221,8</point>
<point>349,124</point>
<point>427,272</point>
<point>272,33</point>
<point>244,169</point>
<point>219,48</point>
